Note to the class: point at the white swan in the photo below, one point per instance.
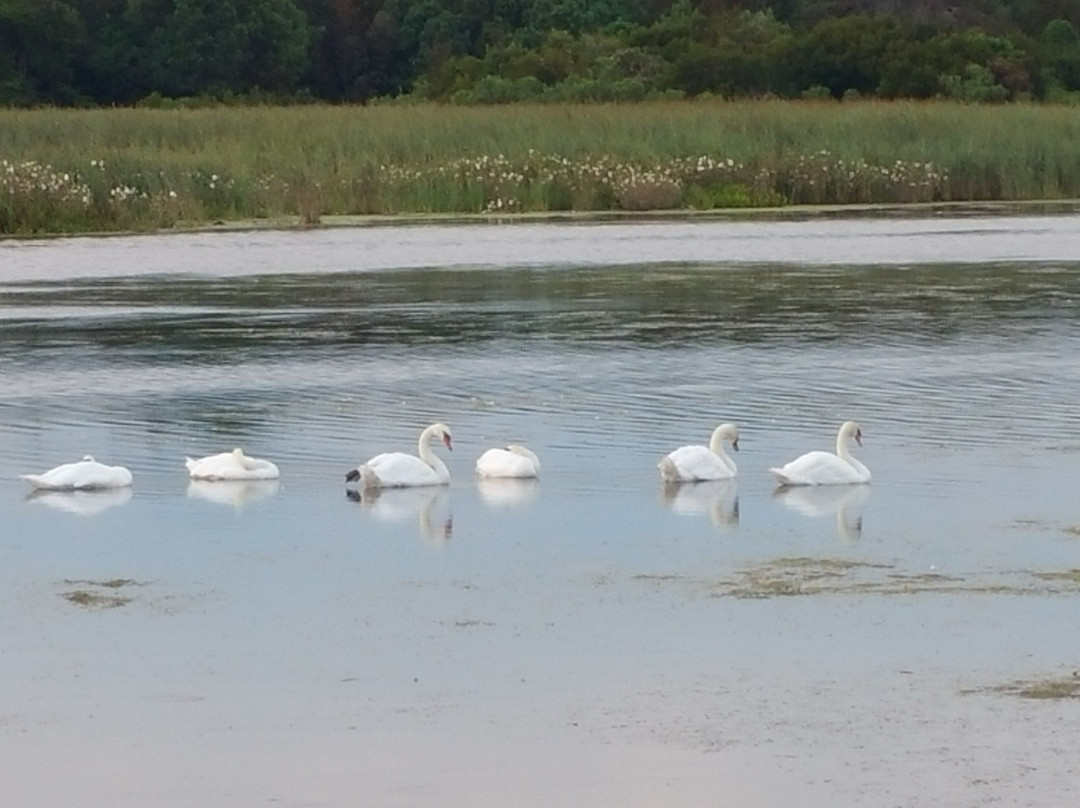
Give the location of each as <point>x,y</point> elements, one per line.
<point>825,468</point>
<point>694,463</point>
<point>513,461</point>
<point>234,465</point>
<point>85,475</point>
<point>400,470</point>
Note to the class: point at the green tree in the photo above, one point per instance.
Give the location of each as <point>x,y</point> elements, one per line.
<point>214,46</point>
<point>40,43</point>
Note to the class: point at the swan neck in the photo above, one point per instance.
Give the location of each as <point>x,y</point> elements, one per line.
<point>427,455</point>
<point>716,446</point>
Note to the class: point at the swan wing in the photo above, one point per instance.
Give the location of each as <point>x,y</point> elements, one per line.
<point>819,468</point>
<point>693,463</point>
<point>399,470</point>
<point>258,469</point>
<point>503,463</point>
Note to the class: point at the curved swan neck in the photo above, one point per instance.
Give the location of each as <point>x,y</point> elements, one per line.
<point>848,430</point>
<point>426,454</point>
<point>841,446</point>
<point>723,433</point>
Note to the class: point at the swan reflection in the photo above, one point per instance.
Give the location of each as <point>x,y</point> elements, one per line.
<point>843,501</point>
<point>507,492</point>
<point>234,493</point>
<point>717,499</point>
<point>395,505</point>
<point>83,503</point>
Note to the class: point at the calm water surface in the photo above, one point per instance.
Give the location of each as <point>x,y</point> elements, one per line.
<point>593,638</point>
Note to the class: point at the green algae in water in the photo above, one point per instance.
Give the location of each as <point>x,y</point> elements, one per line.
<point>86,596</point>
<point>1051,688</point>
<point>94,600</point>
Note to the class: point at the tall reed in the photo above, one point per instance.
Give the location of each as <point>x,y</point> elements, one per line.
<point>148,168</point>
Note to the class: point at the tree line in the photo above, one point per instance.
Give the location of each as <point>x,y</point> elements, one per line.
<point>122,52</point>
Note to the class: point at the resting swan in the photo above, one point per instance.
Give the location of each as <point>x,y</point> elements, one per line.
<point>824,468</point>
<point>85,475</point>
<point>234,465</point>
<point>400,470</point>
<point>695,463</point>
<point>513,461</point>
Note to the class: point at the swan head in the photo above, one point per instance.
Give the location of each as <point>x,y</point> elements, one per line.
<point>851,429</point>
<point>238,453</point>
<point>88,459</point>
<point>442,431</point>
<point>728,432</point>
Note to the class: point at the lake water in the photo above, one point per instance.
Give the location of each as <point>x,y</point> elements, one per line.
<point>590,639</point>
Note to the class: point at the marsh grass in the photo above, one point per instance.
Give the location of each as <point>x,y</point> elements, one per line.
<point>153,168</point>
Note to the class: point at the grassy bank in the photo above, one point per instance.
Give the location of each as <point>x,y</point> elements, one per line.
<point>97,170</point>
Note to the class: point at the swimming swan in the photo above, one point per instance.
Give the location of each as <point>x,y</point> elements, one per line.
<point>694,463</point>
<point>400,470</point>
<point>234,465</point>
<point>825,468</point>
<point>85,475</point>
<point>513,461</point>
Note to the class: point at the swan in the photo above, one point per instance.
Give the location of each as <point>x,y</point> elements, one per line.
<point>694,463</point>
<point>400,470</point>
<point>513,461</point>
<point>85,475</point>
<point>824,468</point>
<point>234,465</point>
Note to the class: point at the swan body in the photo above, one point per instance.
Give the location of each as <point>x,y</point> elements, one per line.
<point>85,475</point>
<point>696,463</point>
<point>825,468</point>
<point>400,470</point>
<point>513,461</point>
<point>234,465</point>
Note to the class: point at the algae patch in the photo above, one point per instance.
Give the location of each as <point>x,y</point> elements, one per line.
<point>98,594</point>
<point>1052,688</point>
<point>790,576</point>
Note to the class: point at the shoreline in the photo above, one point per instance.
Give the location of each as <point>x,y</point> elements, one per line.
<point>1044,207</point>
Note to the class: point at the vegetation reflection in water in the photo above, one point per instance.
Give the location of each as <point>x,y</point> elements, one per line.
<point>649,305</point>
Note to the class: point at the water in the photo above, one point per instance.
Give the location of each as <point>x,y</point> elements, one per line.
<point>587,639</point>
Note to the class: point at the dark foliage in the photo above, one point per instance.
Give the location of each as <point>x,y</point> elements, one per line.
<point>481,51</point>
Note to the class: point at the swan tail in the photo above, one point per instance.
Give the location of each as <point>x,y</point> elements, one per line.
<point>368,476</point>
<point>34,480</point>
<point>668,470</point>
<point>781,477</point>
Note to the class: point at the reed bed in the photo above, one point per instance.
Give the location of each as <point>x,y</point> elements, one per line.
<point>130,169</point>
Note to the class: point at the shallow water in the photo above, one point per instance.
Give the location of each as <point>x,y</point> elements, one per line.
<point>593,638</point>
